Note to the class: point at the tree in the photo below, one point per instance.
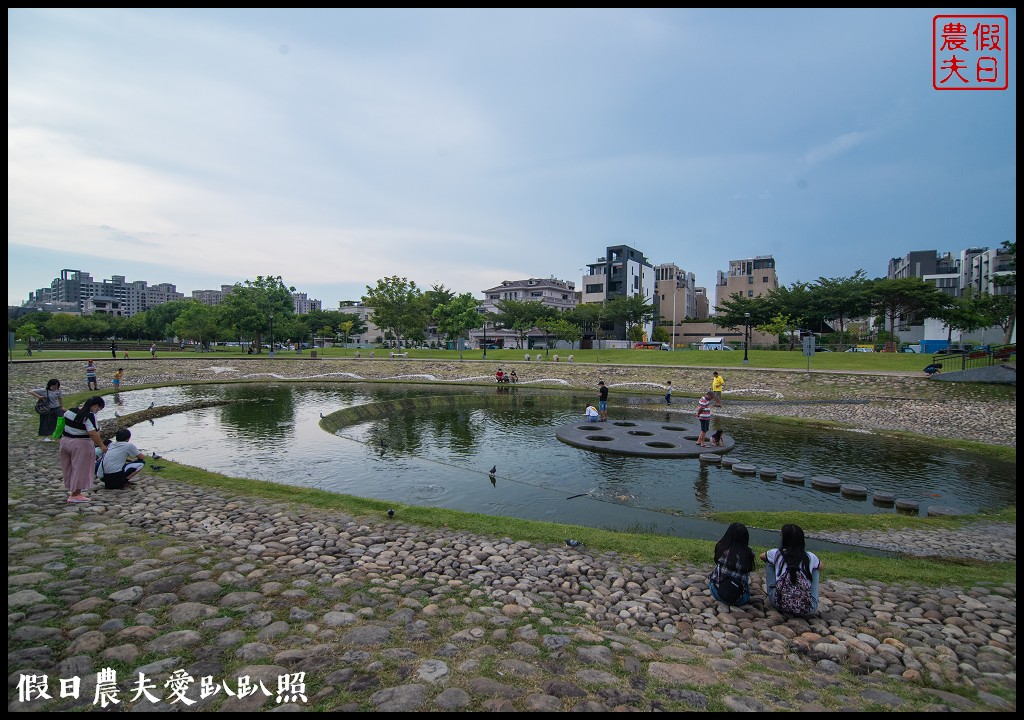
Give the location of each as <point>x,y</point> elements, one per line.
<point>842,299</point>
<point>64,325</point>
<point>1007,280</point>
<point>904,297</point>
<point>795,302</point>
<point>731,313</point>
<point>630,310</point>
<point>397,306</point>
<point>588,317</point>
<point>252,308</point>
<point>521,316</point>
<point>965,314</point>
<point>780,324</point>
<point>660,334</point>
<point>25,333</point>
<point>199,322</point>
<point>1000,310</point>
<point>457,316</point>
<point>158,319</point>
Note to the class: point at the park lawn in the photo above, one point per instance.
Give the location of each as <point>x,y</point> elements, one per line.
<point>768,359</point>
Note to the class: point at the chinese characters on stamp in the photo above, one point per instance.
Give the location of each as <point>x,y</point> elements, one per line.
<point>970,52</point>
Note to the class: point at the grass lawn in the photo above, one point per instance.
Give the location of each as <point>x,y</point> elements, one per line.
<point>777,359</point>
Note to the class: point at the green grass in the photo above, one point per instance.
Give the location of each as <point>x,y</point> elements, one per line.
<point>774,359</point>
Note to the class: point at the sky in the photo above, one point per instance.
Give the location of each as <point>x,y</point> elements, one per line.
<point>204,147</point>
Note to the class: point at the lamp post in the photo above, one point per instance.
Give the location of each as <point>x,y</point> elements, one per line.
<point>271,335</point>
<point>485,338</point>
<point>675,292</point>
<point>746,337</point>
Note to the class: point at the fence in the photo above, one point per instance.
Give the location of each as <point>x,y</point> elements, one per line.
<point>982,357</point>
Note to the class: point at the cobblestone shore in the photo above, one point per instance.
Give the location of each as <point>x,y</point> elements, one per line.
<point>180,582</point>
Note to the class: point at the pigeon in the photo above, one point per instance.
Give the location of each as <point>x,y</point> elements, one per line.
<point>573,543</point>
<point>494,469</point>
<point>157,467</point>
<point>117,414</point>
<point>391,513</point>
<point>322,415</point>
<point>155,456</point>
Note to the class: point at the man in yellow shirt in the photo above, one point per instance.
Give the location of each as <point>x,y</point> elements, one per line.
<point>717,383</point>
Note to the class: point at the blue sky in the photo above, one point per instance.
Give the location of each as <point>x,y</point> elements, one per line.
<point>467,147</point>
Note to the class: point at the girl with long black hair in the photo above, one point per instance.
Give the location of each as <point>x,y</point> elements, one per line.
<point>729,582</point>
<point>77,456</point>
<point>792,558</point>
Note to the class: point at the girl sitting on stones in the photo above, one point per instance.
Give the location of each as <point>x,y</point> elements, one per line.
<point>729,582</point>
<point>791,568</point>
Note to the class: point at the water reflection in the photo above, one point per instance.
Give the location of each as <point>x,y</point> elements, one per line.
<point>441,457</point>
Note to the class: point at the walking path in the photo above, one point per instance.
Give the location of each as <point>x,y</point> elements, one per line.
<point>180,583</point>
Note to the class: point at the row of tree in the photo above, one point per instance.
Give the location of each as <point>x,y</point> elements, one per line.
<point>786,311</point>
<point>255,309</point>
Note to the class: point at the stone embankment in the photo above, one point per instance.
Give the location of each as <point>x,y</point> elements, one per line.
<point>210,596</point>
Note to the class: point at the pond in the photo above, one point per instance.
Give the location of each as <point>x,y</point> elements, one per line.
<point>441,455</point>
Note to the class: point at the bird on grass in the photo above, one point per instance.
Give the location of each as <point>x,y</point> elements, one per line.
<point>391,513</point>
<point>322,416</point>
<point>151,406</point>
<point>573,543</point>
<point>155,456</point>
<point>117,414</point>
<point>157,467</point>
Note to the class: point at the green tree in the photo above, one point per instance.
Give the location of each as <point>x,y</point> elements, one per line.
<point>157,321</point>
<point>397,306</point>
<point>781,324</point>
<point>254,307</point>
<point>521,316</point>
<point>905,297</point>
<point>64,325</point>
<point>631,310</point>
<point>732,312</point>
<point>842,299</point>
<point>199,322</point>
<point>964,314</point>
<point>456,317</point>
<point>1000,310</point>
<point>26,333</point>
<point>661,334</point>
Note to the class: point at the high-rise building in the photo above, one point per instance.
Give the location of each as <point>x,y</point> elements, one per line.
<point>117,295</point>
<point>304,304</point>
<point>622,272</point>
<point>749,278</point>
<point>212,297</point>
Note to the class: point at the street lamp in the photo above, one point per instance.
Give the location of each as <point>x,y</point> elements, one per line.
<point>675,289</point>
<point>485,338</point>
<point>271,335</point>
<point>746,337</point>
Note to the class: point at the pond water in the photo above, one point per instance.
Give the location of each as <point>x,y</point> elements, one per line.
<point>442,457</point>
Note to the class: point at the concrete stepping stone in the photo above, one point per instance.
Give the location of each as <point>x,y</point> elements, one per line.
<point>793,477</point>
<point>769,473</point>
<point>884,499</point>
<point>710,458</point>
<point>943,511</point>
<point>741,468</point>
<point>853,491</point>
<point>905,504</point>
<point>728,462</point>
<point>825,482</point>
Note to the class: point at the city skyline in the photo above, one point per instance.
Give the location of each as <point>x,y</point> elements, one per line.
<point>468,147</point>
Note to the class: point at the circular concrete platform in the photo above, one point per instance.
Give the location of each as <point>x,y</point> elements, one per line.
<point>640,438</point>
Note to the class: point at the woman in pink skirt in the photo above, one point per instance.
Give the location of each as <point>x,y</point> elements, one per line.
<point>77,456</point>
